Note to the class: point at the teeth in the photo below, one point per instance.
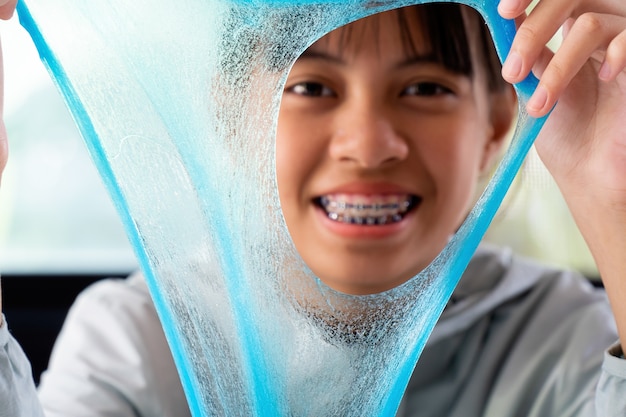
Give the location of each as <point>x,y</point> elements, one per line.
<point>366,210</point>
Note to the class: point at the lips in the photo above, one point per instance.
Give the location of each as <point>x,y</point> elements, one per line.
<point>367,210</point>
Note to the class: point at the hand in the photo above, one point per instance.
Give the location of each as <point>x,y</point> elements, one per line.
<point>583,143</point>
<point>595,32</point>
<point>7,7</point>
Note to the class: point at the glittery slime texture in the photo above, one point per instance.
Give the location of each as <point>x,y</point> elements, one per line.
<point>178,102</point>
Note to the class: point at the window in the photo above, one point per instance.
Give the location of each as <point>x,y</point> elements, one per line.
<point>55,215</point>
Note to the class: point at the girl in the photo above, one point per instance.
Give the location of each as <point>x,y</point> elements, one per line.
<point>395,135</point>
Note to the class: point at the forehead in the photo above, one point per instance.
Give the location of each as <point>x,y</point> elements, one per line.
<point>396,28</point>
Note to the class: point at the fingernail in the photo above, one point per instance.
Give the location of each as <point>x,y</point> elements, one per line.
<point>605,72</point>
<point>512,67</point>
<point>508,6</point>
<point>539,99</point>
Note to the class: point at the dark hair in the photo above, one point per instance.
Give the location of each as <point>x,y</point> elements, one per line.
<point>451,29</point>
<point>458,37</point>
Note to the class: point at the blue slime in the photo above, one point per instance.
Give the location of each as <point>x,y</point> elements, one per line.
<point>178,102</point>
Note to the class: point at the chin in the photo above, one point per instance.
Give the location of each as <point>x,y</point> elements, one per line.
<point>365,285</point>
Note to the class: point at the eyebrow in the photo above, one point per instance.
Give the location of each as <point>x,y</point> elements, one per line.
<point>419,59</point>
<point>409,61</point>
<point>312,54</point>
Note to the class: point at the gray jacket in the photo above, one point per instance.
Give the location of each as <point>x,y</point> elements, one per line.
<point>520,339</point>
<point>18,397</point>
<point>516,339</point>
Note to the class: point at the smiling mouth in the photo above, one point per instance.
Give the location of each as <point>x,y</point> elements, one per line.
<point>370,210</point>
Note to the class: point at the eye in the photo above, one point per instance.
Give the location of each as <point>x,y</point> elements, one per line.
<point>310,89</point>
<point>427,89</point>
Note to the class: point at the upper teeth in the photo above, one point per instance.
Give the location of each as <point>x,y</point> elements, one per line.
<point>368,210</point>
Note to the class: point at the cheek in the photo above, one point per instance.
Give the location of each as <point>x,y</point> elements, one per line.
<point>301,141</point>
<point>454,154</point>
<point>295,157</point>
<point>284,161</point>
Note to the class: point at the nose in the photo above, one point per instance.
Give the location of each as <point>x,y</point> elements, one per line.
<point>366,137</point>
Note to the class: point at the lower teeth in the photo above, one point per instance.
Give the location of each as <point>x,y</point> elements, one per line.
<point>369,221</point>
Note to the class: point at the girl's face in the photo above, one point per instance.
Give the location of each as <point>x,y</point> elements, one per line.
<point>378,154</point>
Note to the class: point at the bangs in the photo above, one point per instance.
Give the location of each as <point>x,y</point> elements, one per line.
<point>459,39</point>
<point>456,35</point>
<point>443,28</point>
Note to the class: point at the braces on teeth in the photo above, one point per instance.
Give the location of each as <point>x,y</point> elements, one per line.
<point>369,214</point>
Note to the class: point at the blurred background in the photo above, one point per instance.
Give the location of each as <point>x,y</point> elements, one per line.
<point>55,216</point>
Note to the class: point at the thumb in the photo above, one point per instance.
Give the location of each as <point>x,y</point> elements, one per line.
<point>4,144</point>
<point>7,7</point>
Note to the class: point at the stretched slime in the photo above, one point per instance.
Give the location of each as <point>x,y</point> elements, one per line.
<point>178,105</point>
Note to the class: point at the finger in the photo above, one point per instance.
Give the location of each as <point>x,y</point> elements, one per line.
<point>532,35</point>
<point>510,9</point>
<point>615,58</point>
<point>542,62</point>
<point>544,57</point>
<point>4,144</point>
<point>567,26</point>
<point>7,7</point>
<point>590,33</point>
<point>4,148</point>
